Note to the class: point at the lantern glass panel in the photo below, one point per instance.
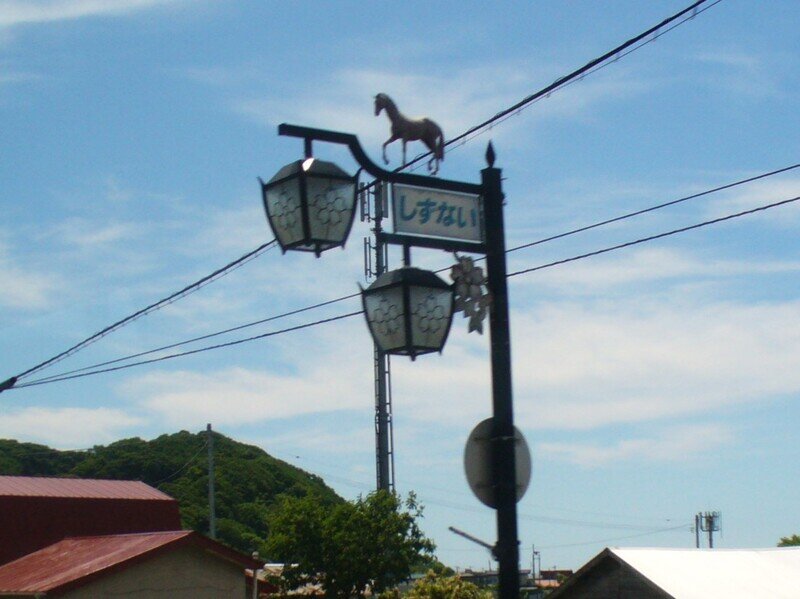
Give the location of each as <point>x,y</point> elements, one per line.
<point>283,206</point>
<point>431,310</point>
<point>386,318</point>
<point>331,203</point>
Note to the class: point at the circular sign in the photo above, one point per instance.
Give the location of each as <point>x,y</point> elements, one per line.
<point>478,463</point>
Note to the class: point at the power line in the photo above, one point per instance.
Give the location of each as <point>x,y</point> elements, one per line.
<point>426,500</point>
<point>307,325</point>
<point>186,353</point>
<point>591,66</point>
<point>644,534</point>
<point>201,337</point>
<point>191,288</point>
<point>653,237</point>
<point>182,468</point>
<point>588,68</point>
<point>653,208</point>
<point>353,295</point>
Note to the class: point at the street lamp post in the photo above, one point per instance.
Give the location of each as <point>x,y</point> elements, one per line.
<point>394,330</point>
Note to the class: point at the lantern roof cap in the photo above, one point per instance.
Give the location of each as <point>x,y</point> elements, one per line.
<point>408,275</point>
<point>310,166</point>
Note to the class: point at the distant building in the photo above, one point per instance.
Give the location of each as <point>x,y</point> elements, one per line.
<point>36,512</point>
<point>78,538</point>
<point>552,579</point>
<point>488,578</point>
<point>168,565</point>
<point>686,574</point>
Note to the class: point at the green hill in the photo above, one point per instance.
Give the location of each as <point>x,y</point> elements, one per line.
<point>247,479</point>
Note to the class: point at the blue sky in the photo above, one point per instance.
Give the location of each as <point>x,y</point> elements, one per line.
<point>651,383</point>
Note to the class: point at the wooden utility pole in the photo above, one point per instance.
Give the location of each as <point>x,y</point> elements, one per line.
<point>212,517</point>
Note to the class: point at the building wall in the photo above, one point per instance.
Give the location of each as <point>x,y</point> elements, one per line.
<point>183,573</point>
<point>31,523</point>
<point>611,580</point>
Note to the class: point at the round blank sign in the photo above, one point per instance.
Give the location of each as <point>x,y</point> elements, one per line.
<point>478,463</point>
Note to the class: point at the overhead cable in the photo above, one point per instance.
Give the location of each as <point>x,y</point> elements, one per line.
<point>618,52</point>
<point>652,208</point>
<point>191,288</point>
<point>60,376</point>
<point>654,237</point>
<point>600,541</point>
<point>351,314</point>
<point>202,337</point>
<point>186,353</point>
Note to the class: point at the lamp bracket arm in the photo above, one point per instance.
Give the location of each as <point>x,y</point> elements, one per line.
<point>342,139</point>
<point>351,141</point>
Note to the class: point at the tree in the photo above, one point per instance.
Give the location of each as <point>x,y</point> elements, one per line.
<point>793,541</point>
<point>437,586</point>
<point>372,542</point>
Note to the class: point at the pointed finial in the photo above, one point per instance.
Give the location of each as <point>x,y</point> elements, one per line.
<point>490,156</point>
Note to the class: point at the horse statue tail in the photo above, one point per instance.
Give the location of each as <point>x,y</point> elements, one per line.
<point>440,146</point>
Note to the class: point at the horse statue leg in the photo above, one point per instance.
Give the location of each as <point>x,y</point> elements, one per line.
<point>435,142</point>
<point>386,143</point>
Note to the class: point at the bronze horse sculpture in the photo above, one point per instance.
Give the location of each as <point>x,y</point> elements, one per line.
<point>406,129</point>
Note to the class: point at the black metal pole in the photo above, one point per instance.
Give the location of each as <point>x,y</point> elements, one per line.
<point>385,474</point>
<point>503,459</point>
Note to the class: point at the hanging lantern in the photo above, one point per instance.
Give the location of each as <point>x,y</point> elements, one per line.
<point>409,311</point>
<point>310,205</point>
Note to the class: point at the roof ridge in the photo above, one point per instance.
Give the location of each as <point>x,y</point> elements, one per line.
<point>74,478</point>
<point>130,534</point>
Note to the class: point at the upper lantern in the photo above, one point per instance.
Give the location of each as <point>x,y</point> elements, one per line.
<point>310,205</point>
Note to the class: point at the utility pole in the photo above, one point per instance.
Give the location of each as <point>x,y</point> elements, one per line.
<point>707,522</point>
<point>697,531</point>
<point>212,517</point>
<point>384,438</point>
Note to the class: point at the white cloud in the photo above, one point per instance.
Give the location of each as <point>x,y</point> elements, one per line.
<point>757,194</point>
<point>237,396</point>
<point>672,444</point>
<point>456,102</point>
<point>18,77</point>
<point>85,233</point>
<point>591,365</point>
<point>66,428</point>
<point>45,11</point>
<point>322,378</point>
<point>21,287</point>
<point>649,265</point>
<point>739,75</point>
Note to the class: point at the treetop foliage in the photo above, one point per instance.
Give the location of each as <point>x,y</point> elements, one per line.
<point>792,541</point>
<point>248,480</point>
<point>371,543</point>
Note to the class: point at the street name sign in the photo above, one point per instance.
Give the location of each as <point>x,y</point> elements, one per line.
<point>428,212</point>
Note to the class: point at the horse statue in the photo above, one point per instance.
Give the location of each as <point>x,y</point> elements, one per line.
<point>424,130</point>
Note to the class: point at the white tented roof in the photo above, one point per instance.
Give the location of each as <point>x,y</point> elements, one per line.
<point>726,573</point>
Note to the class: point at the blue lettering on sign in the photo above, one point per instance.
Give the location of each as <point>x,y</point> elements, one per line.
<point>443,213</point>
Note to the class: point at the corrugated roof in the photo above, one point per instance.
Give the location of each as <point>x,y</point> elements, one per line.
<point>729,573</point>
<point>72,559</point>
<point>30,486</point>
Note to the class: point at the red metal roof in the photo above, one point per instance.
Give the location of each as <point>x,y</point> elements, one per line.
<point>28,486</point>
<point>74,562</point>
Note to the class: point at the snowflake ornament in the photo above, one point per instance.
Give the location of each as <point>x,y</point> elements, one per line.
<point>472,296</point>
